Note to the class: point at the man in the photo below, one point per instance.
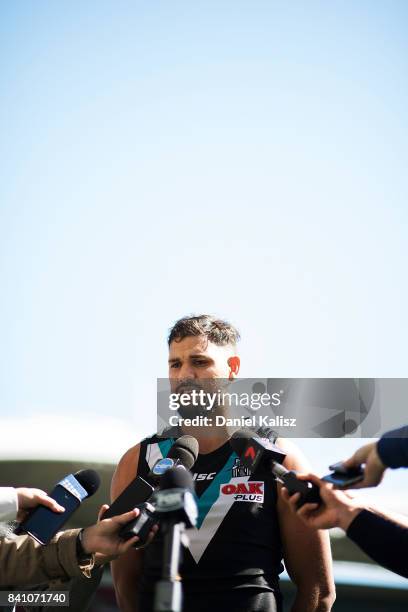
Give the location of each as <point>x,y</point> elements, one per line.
<point>234,557</point>
<point>381,535</point>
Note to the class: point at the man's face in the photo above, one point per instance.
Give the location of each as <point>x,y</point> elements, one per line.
<point>195,359</point>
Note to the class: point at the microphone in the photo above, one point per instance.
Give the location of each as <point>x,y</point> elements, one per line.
<point>42,523</point>
<point>254,451</point>
<point>177,509</point>
<point>183,452</point>
<point>257,453</point>
<point>181,458</point>
<point>175,499</point>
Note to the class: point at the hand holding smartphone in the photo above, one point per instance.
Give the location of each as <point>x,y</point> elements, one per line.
<point>343,478</point>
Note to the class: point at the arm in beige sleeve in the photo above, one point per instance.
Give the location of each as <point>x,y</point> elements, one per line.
<point>24,562</point>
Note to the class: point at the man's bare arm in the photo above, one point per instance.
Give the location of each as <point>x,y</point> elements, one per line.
<point>307,552</point>
<point>126,570</point>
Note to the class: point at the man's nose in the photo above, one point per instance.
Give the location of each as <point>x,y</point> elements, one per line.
<point>185,372</point>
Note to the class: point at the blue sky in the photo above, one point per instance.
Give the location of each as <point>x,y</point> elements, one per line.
<point>157,159</point>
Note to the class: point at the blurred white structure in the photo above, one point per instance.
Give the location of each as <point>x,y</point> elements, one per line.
<point>89,438</point>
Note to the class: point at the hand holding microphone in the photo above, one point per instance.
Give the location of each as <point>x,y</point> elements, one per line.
<point>43,523</point>
<point>27,499</point>
<point>103,538</point>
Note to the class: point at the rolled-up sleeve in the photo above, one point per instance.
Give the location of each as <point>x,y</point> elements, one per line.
<point>8,503</point>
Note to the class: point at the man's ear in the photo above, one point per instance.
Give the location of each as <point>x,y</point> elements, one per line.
<point>234,363</point>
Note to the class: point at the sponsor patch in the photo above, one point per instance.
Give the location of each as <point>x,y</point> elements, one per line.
<point>244,491</point>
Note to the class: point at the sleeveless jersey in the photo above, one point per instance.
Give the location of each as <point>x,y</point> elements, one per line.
<point>236,543</point>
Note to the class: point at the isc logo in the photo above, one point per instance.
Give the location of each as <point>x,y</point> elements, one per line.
<point>244,491</point>
<point>209,476</point>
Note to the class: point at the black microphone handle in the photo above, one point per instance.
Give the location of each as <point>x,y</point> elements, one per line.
<point>168,595</point>
<point>309,492</point>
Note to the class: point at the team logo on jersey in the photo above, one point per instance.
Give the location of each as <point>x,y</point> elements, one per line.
<point>239,470</point>
<point>250,491</point>
<point>209,476</point>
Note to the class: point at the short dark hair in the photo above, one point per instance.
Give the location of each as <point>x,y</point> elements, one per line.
<point>216,330</point>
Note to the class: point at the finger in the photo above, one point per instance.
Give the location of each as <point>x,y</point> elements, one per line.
<point>368,481</point>
<point>358,457</point>
<point>373,473</point>
<point>122,519</point>
<point>102,511</point>
<point>293,500</point>
<point>304,475</point>
<point>358,485</point>
<point>48,502</point>
<point>350,462</point>
<point>152,534</point>
<point>150,537</point>
<point>285,494</point>
<point>125,546</point>
<point>306,509</point>
<point>365,482</point>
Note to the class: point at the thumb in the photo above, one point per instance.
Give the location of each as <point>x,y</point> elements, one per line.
<point>122,519</point>
<point>357,459</point>
<point>102,511</point>
<point>125,546</point>
<point>43,498</point>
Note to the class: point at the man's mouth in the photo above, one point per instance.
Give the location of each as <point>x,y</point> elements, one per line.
<point>186,387</point>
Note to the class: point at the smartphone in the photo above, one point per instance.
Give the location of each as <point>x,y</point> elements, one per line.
<point>42,523</point>
<point>345,478</point>
<point>136,493</point>
<point>341,468</point>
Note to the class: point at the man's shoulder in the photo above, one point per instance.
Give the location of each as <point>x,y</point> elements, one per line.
<point>295,458</point>
<point>136,458</point>
<point>126,470</point>
<point>132,454</point>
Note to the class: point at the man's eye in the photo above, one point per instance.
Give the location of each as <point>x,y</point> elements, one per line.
<point>200,363</point>
<point>175,365</point>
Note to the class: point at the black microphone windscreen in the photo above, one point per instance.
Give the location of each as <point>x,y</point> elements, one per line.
<point>176,478</point>
<point>89,479</point>
<point>245,441</point>
<point>239,440</point>
<point>185,449</point>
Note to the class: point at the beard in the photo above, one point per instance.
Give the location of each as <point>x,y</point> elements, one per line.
<point>189,412</point>
<point>200,404</point>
